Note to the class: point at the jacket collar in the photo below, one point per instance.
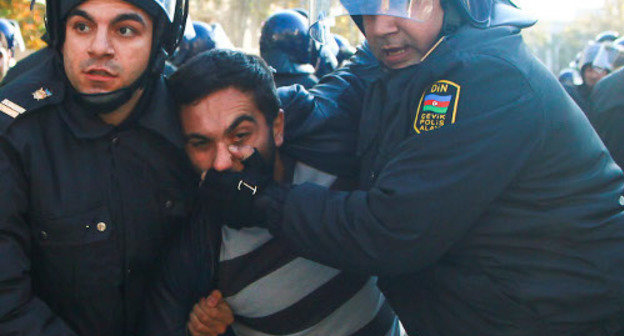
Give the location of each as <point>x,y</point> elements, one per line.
<point>159,115</point>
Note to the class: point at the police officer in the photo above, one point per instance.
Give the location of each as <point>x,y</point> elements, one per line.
<point>206,37</point>
<point>285,45</point>
<point>591,72</point>
<point>93,178</point>
<point>488,204</point>
<point>607,113</point>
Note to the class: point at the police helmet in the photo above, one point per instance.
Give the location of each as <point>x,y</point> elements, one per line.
<point>285,43</point>
<point>569,76</point>
<point>206,37</point>
<point>478,13</point>
<point>7,29</point>
<point>345,50</point>
<point>607,36</point>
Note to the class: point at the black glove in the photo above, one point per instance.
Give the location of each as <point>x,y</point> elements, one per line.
<point>233,193</point>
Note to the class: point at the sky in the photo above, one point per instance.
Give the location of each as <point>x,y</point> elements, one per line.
<point>557,10</point>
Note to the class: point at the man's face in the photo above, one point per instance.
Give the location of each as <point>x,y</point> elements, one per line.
<point>107,45</point>
<point>591,75</point>
<point>223,118</point>
<point>400,42</point>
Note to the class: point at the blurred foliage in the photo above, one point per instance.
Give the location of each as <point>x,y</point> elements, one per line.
<point>557,44</point>
<point>31,22</point>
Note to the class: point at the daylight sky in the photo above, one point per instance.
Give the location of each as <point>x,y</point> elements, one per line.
<point>557,10</point>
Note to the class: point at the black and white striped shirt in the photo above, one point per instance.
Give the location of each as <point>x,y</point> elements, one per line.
<point>274,292</point>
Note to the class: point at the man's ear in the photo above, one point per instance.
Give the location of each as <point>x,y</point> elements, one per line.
<point>278,128</point>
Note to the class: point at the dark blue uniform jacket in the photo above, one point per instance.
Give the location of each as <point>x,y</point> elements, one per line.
<point>504,217</point>
<point>607,113</point>
<point>85,208</point>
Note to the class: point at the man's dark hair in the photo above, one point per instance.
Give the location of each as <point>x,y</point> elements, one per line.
<point>218,69</point>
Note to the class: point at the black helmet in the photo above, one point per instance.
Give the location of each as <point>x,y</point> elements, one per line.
<point>345,50</point>
<point>607,36</point>
<point>569,76</point>
<point>285,43</point>
<point>206,37</point>
<point>169,20</point>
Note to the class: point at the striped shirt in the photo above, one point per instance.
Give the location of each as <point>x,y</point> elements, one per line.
<point>273,292</point>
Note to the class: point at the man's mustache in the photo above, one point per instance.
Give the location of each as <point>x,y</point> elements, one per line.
<point>109,66</point>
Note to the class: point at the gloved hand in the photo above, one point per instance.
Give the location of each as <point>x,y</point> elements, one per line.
<point>233,193</point>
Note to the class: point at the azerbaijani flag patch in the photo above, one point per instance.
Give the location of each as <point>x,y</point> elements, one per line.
<point>437,107</point>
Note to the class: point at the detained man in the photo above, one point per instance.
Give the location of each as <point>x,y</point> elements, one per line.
<point>487,204</point>
<point>231,119</point>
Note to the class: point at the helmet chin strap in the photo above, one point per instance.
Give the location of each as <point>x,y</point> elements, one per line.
<point>107,102</point>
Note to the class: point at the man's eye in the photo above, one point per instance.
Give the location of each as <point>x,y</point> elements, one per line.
<point>126,31</point>
<point>199,144</point>
<point>81,27</point>
<point>240,137</point>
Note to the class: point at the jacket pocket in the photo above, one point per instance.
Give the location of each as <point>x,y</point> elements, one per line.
<point>76,251</point>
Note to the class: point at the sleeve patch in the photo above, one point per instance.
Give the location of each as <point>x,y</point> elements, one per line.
<point>437,107</point>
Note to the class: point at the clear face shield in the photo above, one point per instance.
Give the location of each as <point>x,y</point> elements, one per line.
<point>323,12</point>
<point>607,57</point>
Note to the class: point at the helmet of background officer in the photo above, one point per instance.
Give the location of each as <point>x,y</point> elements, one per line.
<point>206,37</point>
<point>619,61</point>
<point>570,77</point>
<point>7,46</point>
<point>285,43</point>
<point>345,50</point>
<point>112,48</point>
<point>591,73</point>
<point>402,32</point>
<point>607,36</point>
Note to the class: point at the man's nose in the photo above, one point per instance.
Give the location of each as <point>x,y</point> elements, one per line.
<point>101,44</point>
<point>381,25</point>
<point>223,158</point>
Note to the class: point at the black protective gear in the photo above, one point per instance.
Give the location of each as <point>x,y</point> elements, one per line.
<point>231,191</point>
<point>285,43</point>
<point>207,37</point>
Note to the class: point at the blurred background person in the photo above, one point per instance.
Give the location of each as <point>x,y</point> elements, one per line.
<point>202,37</point>
<point>286,46</point>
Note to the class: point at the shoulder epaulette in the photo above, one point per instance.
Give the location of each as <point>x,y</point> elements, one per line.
<point>38,86</point>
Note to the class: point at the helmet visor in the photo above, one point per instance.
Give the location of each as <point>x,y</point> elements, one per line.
<point>606,57</point>
<point>323,12</point>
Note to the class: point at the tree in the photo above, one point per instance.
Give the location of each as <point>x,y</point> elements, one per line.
<point>31,22</point>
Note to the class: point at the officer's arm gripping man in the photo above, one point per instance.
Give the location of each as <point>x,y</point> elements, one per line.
<point>434,185</point>
<point>21,312</point>
<point>321,124</point>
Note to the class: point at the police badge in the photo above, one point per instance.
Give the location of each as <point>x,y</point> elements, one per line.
<point>437,107</point>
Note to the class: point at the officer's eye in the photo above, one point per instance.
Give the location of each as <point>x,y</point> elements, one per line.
<point>82,27</point>
<point>127,31</point>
